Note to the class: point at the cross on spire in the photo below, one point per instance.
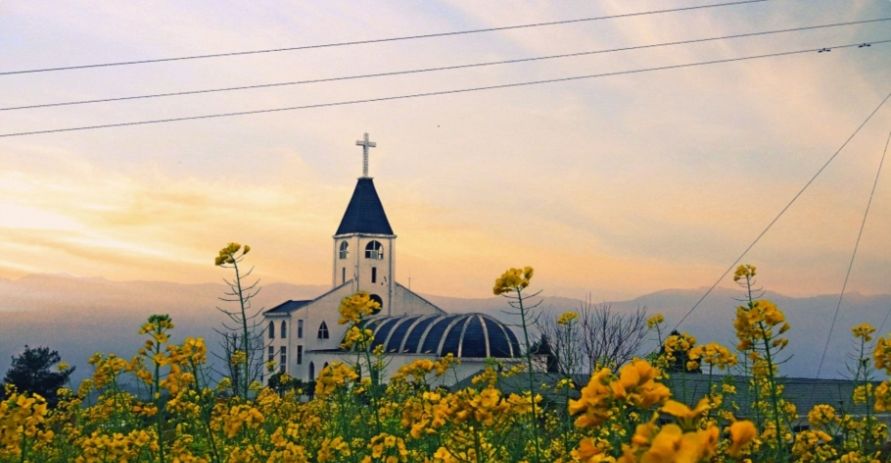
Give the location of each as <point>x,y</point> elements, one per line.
<point>365,144</point>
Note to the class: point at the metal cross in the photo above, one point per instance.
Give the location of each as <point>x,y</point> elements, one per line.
<point>365,144</point>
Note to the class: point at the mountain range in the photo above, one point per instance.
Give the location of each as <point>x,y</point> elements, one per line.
<point>79,316</point>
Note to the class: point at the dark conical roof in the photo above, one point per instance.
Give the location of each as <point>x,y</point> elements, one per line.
<point>365,213</point>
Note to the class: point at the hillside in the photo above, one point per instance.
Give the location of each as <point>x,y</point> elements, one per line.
<point>79,316</point>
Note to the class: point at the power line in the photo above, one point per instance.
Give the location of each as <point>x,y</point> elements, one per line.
<point>440,68</point>
<point>435,93</point>
<point>841,295</point>
<point>381,40</point>
<point>783,210</point>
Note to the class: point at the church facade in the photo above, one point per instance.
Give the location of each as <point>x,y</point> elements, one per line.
<point>303,336</point>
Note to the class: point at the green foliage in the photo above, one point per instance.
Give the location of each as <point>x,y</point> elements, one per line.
<point>31,371</point>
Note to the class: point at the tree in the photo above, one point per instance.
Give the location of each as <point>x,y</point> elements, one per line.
<point>563,342</point>
<point>600,337</point>
<point>242,336</point>
<point>32,372</point>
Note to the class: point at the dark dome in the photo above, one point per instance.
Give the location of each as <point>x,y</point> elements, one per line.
<point>472,335</point>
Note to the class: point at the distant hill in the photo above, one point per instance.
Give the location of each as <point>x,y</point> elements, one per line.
<point>79,316</point>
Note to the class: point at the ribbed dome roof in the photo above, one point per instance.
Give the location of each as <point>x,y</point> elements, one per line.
<point>471,335</point>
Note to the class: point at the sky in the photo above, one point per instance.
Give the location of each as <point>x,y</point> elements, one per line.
<point>614,187</point>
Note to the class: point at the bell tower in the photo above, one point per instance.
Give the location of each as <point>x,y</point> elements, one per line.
<point>363,243</point>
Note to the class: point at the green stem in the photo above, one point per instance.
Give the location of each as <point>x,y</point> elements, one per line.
<point>374,381</point>
<point>156,395</point>
<point>774,396</point>
<point>530,375</point>
<point>477,446</point>
<point>24,444</point>
<point>245,341</point>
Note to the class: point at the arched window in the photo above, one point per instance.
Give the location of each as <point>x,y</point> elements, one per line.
<point>283,332</point>
<point>374,250</point>
<point>271,330</point>
<point>283,359</point>
<point>312,371</point>
<point>344,249</point>
<point>323,331</point>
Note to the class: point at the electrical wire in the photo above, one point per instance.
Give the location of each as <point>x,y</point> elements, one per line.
<point>439,68</point>
<point>381,40</point>
<point>782,211</point>
<point>841,295</point>
<point>434,93</point>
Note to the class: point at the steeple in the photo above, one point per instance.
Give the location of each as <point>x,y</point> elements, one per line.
<point>363,243</point>
<point>365,213</point>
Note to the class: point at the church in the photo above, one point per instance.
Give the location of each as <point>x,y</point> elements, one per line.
<point>303,336</point>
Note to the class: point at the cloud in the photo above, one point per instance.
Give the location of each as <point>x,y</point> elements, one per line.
<point>619,185</point>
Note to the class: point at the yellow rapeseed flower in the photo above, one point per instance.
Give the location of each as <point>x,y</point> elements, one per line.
<point>863,331</point>
<point>744,271</point>
<point>513,279</point>
<point>567,317</point>
<point>655,320</point>
<point>355,307</point>
<point>741,434</point>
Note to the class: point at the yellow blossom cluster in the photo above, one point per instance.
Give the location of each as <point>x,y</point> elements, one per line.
<point>744,272</point>
<point>863,331</point>
<point>882,354</point>
<point>513,279</point>
<point>22,417</point>
<point>636,384</point>
<point>357,414</point>
<point>821,416</point>
<point>417,371</point>
<point>335,375</point>
<point>670,444</point>
<point>712,354</point>
<point>567,318</point>
<point>655,320</point>
<point>757,323</point>
<point>229,254</point>
<point>356,307</point>
<point>678,346</point>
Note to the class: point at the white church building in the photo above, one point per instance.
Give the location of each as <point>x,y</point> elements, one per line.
<point>303,336</point>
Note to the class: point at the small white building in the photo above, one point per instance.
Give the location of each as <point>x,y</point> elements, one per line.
<point>303,336</point>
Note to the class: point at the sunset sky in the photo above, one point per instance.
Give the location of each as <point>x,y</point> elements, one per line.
<point>615,186</point>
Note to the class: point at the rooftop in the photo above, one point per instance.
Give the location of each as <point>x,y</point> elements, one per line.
<point>365,213</point>
<point>288,307</point>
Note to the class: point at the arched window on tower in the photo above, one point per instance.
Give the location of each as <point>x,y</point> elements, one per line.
<point>323,331</point>
<point>283,332</point>
<point>374,250</point>
<point>271,330</point>
<point>344,249</point>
